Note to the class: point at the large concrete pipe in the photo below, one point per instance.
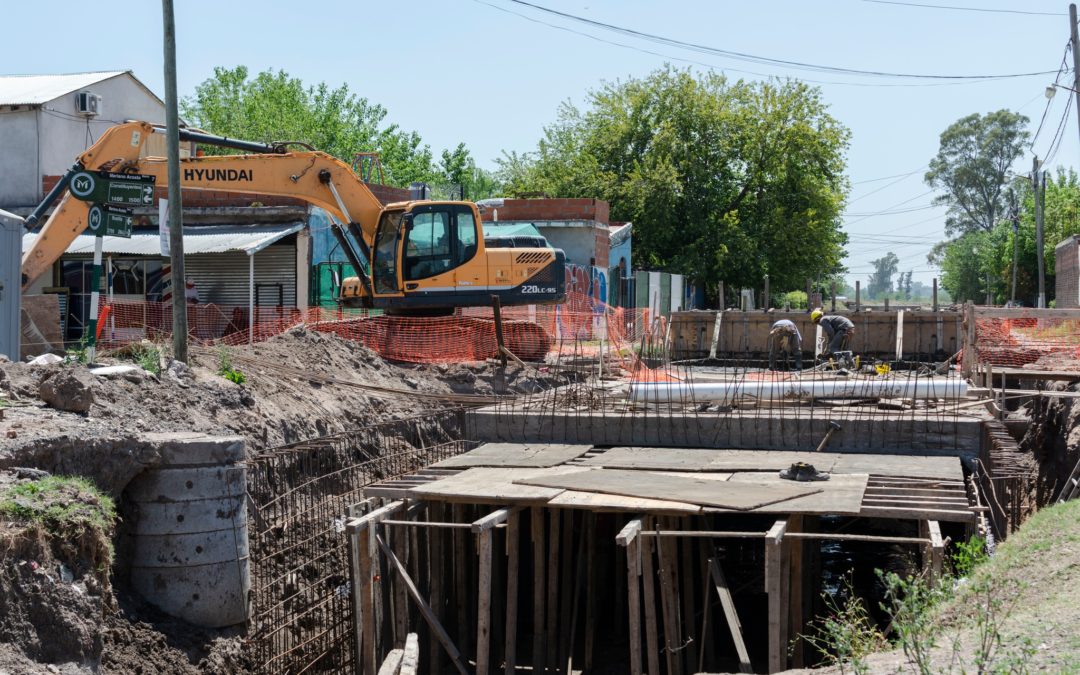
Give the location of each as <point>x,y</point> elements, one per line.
<point>919,388</point>
<point>190,548</point>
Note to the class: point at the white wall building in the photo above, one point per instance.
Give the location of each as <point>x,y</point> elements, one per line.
<point>46,121</point>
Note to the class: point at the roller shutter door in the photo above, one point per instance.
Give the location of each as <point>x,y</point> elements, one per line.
<point>222,278</point>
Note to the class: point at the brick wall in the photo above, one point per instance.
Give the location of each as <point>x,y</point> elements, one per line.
<point>1067,273</point>
<point>603,249</point>
<point>552,209</point>
<point>209,198</point>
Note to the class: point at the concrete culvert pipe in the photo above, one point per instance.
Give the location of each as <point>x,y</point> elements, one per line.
<point>662,392</point>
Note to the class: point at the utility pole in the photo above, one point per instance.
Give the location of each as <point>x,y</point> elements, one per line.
<point>176,221</point>
<point>1074,39</point>
<point>1037,184</point>
<point>1016,253</point>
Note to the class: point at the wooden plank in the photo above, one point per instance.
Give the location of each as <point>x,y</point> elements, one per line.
<point>490,521</point>
<point>425,609</point>
<point>724,494</point>
<point>554,577</point>
<point>367,595</point>
<point>483,603</point>
<point>358,524</point>
<point>909,513</point>
<point>842,494</point>
<point>519,455</point>
<point>796,582</point>
<point>914,466</point>
<point>937,548</point>
<point>536,515</point>
<point>727,603</point>
<point>1026,374</point>
<point>633,588</point>
<point>669,604</point>
<point>687,601</point>
<point>597,502</point>
<point>493,486</point>
<point>775,583</point>
<point>706,459</point>
<point>410,661</point>
<point>592,584</point>
<point>513,554</point>
<point>648,576</point>
<point>355,575</point>
<point>392,662</point>
<point>436,567</point>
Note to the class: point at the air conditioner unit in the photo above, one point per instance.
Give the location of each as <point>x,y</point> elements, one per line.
<point>88,104</point>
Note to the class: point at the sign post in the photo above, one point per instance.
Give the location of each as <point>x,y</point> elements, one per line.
<point>105,190</point>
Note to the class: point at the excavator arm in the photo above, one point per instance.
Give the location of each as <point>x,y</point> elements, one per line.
<point>315,177</point>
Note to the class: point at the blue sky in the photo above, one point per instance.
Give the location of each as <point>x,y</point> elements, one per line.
<point>492,73</point>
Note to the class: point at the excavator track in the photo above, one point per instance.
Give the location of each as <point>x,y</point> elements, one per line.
<point>442,339</point>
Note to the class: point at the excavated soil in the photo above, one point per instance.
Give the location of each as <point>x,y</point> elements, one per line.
<point>298,385</point>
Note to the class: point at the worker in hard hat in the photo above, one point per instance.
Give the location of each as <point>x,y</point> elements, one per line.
<point>784,338</point>
<point>838,331</point>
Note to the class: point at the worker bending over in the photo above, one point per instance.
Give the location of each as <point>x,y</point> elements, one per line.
<point>784,337</point>
<point>838,331</point>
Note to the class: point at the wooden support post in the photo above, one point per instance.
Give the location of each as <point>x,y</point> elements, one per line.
<point>436,566</point>
<point>568,579</point>
<point>776,587</point>
<point>355,576</point>
<point>648,576</point>
<point>399,602</point>
<point>483,602</point>
<point>425,609</point>
<point>795,589</point>
<point>392,663</point>
<point>496,305</point>
<point>766,298</point>
<point>858,295</point>
<point>592,589</point>
<point>628,538</point>
<point>934,551</point>
<point>716,333</point>
<point>686,584</point>
<point>513,551</point>
<point>461,597</point>
<point>536,515</point>
<point>410,660</point>
<point>727,602</point>
<point>669,605</point>
<point>362,529</point>
<point>969,341</point>
<point>554,574</point>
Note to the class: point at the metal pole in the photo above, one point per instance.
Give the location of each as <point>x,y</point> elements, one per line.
<point>1038,179</point>
<point>176,222</point>
<point>1074,39</point>
<point>95,286</point>
<point>11,232</point>
<point>251,298</point>
<point>1016,254</point>
<point>935,295</point>
<point>858,295</point>
<point>765,301</point>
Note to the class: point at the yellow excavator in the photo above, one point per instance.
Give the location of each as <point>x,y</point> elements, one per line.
<point>413,258</point>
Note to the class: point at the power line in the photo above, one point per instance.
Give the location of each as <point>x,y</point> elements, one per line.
<point>885,187</point>
<point>763,60</point>
<point>899,175</point>
<point>964,9</point>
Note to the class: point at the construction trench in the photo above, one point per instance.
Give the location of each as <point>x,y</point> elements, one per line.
<point>596,512</point>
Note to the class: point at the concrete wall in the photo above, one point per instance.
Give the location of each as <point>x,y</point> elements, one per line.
<point>1067,273</point>
<point>578,240</point>
<point>745,334</point>
<point>19,184</point>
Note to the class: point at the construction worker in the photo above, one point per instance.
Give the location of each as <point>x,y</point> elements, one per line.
<point>838,331</point>
<point>784,337</point>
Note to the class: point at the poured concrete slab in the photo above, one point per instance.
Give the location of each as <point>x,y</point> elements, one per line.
<point>525,455</point>
<point>651,485</point>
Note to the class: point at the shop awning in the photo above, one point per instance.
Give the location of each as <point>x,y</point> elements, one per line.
<point>204,239</point>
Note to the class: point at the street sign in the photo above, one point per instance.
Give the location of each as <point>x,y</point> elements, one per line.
<point>104,187</point>
<point>112,221</point>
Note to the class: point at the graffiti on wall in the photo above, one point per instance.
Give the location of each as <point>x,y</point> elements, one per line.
<point>587,280</point>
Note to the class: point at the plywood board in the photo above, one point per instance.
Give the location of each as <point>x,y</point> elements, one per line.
<point>492,485</point>
<point>909,466</point>
<point>841,495</point>
<point>724,494</point>
<point>703,459</point>
<point>595,501</point>
<point>526,455</point>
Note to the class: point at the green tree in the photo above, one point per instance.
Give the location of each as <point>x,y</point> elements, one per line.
<point>880,282</point>
<point>972,167</point>
<point>458,168</point>
<point>273,106</point>
<point>723,181</point>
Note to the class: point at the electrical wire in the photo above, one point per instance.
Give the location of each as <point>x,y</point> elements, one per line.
<point>1055,143</point>
<point>1050,101</point>
<point>965,9</point>
<point>762,60</point>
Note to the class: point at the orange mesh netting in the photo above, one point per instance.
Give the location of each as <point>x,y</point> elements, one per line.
<point>579,327</point>
<point>1043,343</point>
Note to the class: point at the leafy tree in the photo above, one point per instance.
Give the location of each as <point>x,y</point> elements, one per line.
<point>972,166</point>
<point>272,106</point>
<point>881,280</point>
<point>904,284</point>
<point>967,261</point>
<point>723,181</point>
<point>458,168</point>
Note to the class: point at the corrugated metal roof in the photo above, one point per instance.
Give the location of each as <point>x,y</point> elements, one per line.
<point>38,89</point>
<point>209,239</point>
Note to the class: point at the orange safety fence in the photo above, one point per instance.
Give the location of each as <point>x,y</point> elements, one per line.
<point>1046,343</point>
<point>579,327</point>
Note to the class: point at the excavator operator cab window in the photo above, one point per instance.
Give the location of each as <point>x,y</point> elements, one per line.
<point>384,267</point>
<point>440,238</point>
